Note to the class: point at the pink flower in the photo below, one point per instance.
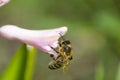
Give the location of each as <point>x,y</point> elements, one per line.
<point>41,39</point>
<point>3,2</point>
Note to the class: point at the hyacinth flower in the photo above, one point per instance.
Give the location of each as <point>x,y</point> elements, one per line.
<point>41,39</point>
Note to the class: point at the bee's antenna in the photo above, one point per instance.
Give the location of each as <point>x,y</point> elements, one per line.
<point>64,41</point>
<point>62,36</point>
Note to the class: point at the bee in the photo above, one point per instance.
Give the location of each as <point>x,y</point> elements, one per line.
<point>64,52</point>
<point>56,63</point>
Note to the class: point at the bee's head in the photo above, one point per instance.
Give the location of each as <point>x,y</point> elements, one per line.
<point>67,49</point>
<point>66,42</point>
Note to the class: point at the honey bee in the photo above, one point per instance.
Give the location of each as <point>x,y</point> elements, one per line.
<point>64,52</point>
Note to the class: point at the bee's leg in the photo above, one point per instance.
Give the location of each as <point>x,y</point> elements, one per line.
<point>54,49</point>
<point>59,44</point>
<point>52,56</point>
<point>70,58</point>
<point>62,37</point>
<point>66,63</point>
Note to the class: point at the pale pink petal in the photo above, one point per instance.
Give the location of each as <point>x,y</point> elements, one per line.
<point>41,39</point>
<point>3,2</point>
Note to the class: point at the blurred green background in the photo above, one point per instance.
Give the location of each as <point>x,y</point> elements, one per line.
<point>93,28</point>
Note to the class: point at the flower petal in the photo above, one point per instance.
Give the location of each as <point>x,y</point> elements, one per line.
<point>41,39</point>
<point>3,2</point>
